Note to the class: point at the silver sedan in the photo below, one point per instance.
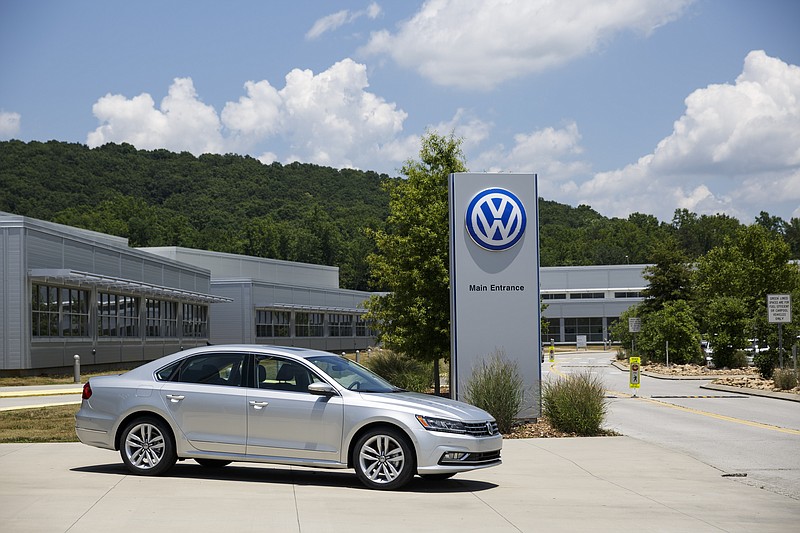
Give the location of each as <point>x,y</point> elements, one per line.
<point>281,405</point>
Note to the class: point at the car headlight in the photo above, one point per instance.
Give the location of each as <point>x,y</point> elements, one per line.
<point>441,424</point>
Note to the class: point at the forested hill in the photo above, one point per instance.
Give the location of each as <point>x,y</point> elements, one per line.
<point>297,212</point>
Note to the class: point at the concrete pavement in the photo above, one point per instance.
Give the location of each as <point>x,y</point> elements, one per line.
<point>576,484</point>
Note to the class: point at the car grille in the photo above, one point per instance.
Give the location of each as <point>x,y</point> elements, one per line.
<point>481,429</point>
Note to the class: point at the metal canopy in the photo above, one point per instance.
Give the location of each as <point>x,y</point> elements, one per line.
<point>312,308</point>
<point>86,279</point>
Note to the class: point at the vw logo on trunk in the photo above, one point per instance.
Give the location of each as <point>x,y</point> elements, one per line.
<point>496,219</point>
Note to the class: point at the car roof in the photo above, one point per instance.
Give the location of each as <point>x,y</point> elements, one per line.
<point>288,351</point>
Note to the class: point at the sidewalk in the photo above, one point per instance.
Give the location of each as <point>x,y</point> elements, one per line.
<point>604,484</point>
<point>36,396</point>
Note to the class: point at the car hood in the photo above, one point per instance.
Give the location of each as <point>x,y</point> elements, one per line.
<point>425,404</point>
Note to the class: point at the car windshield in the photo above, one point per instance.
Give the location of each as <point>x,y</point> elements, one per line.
<point>352,375</point>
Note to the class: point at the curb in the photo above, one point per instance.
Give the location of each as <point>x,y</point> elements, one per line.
<point>788,396</point>
<point>678,378</point>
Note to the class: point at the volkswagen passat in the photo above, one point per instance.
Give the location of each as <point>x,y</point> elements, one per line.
<point>292,406</point>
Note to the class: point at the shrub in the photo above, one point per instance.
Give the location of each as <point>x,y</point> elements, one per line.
<point>497,387</point>
<point>401,370</point>
<point>784,378</point>
<point>739,359</point>
<point>765,362</point>
<point>575,404</point>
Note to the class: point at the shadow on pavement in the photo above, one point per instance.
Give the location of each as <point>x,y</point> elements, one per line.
<point>342,479</point>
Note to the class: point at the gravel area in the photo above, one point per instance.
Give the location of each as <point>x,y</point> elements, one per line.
<point>697,370</point>
<point>747,378</point>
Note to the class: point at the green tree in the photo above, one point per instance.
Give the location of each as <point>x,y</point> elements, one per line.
<point>619,329</point>
<point>673,323</point>
<point>745,269</point>
<point>412,258</point>
<point>728,320</point>
<point>669,279</point>
<point>792,237</point>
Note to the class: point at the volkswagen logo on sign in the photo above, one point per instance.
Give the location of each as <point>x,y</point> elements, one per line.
<point>496,219</point>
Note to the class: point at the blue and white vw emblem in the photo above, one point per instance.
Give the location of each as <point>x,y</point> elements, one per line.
<point>496,219</point>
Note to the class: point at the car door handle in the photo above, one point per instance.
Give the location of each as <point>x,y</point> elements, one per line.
<point>175,398</point>
<point>258,405</point>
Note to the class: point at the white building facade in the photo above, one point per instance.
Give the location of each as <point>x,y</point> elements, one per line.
<point>66,291</point>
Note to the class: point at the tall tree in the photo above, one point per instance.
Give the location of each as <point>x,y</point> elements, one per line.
<point>741,273</point>
<point>669,279</point>
<point>412,260</point>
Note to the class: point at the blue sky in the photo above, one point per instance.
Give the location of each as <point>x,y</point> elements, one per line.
<point>625,105</point>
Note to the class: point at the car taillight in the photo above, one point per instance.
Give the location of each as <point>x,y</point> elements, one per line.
<point>87,391</point>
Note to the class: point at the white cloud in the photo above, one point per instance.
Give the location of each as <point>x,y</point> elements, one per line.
<point>327,118</point>
<point>340,18</point>
<point>552,153</point>
<point>9,124</point>
<point>181,122</point>
<point>330,118</point>
<point>481,43</point>
<point>735,145</point>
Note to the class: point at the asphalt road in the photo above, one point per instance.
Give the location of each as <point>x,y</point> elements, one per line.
<point>751,439</point>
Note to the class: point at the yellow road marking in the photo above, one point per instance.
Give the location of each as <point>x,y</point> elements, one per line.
<point>693,411</point>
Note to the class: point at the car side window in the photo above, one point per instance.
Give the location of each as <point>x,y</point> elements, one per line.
<point>212,369</point>
<point>275,373</point>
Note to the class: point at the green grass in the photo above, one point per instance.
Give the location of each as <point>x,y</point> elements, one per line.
<point>21,381</point>
<point>45,424</point>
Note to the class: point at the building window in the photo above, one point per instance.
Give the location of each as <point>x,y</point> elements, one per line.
<point>554,296</point>
<point>363,328</point>
<point>586,295</point>
<point>629,294</point>
<point>162,318</point>
<point>195,320</point>
<point>553,332</point>
<point>309,325</point>
<point>59,312</point>
<point>272,323</point>
<point>117,315</point>
<point>340,325</point>
<point>591,327</point>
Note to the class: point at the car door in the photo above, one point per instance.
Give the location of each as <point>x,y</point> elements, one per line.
<point>207,401</point>
<point>285,420</point>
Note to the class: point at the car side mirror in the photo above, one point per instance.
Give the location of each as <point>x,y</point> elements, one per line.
<point>320,388</point>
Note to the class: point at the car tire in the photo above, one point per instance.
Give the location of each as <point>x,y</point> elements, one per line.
<point>147,447</point>
<point>212,463</point>
<point>384,459</point>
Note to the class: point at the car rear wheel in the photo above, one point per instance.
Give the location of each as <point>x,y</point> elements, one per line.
<point>383,459</point>
<point>212,463</point>
<point>147,447</point>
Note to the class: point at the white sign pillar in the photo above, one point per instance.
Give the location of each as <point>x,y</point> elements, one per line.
<point>494,278</point>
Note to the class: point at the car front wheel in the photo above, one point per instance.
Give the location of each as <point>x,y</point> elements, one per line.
<point>383,459</point>
<point>147,448</point>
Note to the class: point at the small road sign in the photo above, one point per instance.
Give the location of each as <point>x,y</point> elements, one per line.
<point>635,372</point>
<point>634,325</point>
<point>779,308</point>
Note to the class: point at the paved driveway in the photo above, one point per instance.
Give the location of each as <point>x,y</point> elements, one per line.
<point>581,484</point>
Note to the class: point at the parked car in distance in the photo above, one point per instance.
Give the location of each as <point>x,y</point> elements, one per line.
<point>282,405</point>
<point>754,347</point>
<point>708,352</point>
